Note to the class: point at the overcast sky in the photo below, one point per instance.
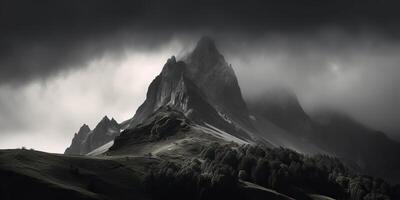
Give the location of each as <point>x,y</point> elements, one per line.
<point>66,63</point>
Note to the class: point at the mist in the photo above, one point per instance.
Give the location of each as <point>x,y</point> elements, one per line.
<point>356,74</point>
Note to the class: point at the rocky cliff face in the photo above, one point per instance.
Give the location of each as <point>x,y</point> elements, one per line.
<point>203,87</point>
<point>78,139</point>
<point>87,140</point>
<point>207,68</point>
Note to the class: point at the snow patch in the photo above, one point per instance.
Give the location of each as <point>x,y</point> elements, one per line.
<point>225,117</point>
<point>212,130</point>
<point>101,149</point>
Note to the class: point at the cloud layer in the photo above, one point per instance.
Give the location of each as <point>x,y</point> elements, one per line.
<point>356,74</point>
<point>43,38</point>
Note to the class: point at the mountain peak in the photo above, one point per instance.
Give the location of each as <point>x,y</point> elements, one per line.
<point>105,118</point>
<point>171,60</point>
<point>204,75</point>
<point>206,67</point>
<point>205,55</point>
<point>84,129</point>
<point>206,43</point>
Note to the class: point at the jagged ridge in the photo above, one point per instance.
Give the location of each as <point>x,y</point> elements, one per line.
<point>87,140</point>
<point>204,87</point>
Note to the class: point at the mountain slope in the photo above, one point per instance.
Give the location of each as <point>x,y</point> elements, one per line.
<point>280,118</point>
<point>280,106</point>
<point>372,151</point>
<point>28,174</point>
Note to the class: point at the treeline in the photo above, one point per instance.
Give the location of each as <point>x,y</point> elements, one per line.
<point>190,181</point>
<point>221,170</point>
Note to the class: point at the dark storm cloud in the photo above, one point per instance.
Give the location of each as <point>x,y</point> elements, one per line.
<point>40,38</point>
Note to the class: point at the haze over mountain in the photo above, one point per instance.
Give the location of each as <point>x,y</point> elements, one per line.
<point>203,86</point>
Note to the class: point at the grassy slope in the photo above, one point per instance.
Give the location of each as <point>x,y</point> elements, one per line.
<point>33,174</point>
<point>118,174</point>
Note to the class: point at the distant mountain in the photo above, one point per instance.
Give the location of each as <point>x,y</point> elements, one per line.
<point>87,140</point>
<point>281,106</point>
<point>280,119</point>
<point>76,145</point>
<point>326,131</point>
<point>372,151</point>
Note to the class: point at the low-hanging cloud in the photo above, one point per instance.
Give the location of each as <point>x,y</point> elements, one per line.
<point>353,73</point>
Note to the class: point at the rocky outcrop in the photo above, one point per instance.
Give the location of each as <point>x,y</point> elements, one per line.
<point>78,139</point>
<point>165,122</point>
<point>87,140</point>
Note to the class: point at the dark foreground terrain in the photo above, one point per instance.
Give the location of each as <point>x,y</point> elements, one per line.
<point>213,171</point>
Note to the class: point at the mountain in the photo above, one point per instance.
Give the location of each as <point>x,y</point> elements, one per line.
<point>77,141</point>
<point>326,131</point>
<point>279,118</point>
<point>199,87</point>
<point>372,151</point>
<point>215,77</point>
<point>281,106</point>
<point>88,140</point>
